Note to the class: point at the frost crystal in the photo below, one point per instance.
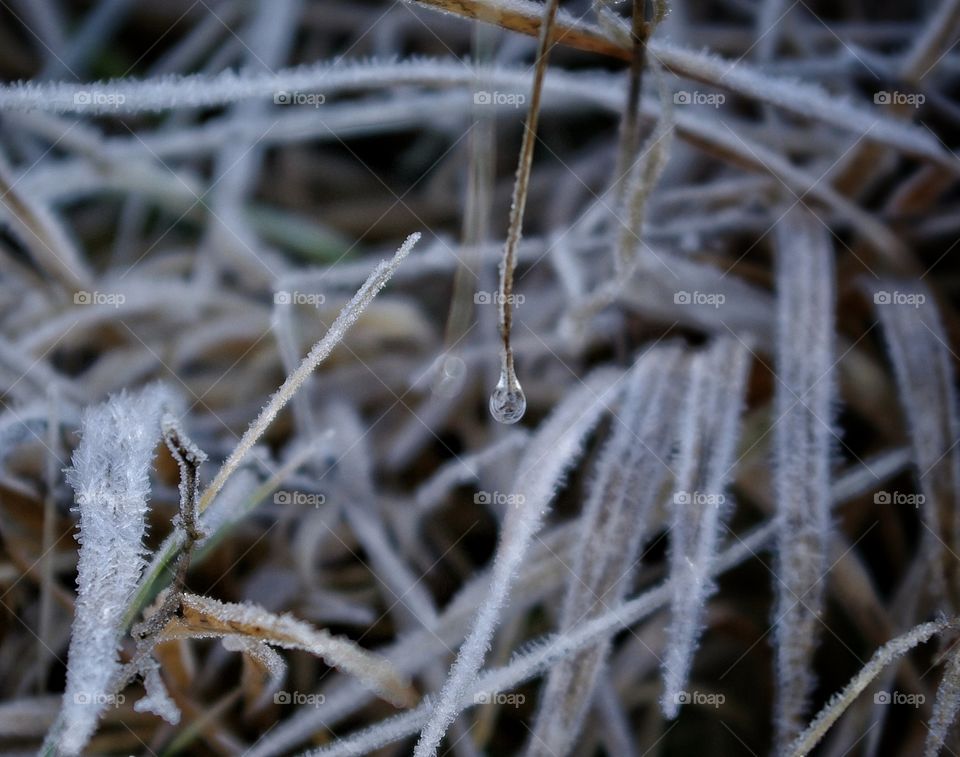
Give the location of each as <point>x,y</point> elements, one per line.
<point>802,439</point>
<point>110,476</point>
<point>700,503</point>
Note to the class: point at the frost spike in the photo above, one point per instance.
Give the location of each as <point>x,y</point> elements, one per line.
<point>318,353</point>
<point>110,476</point>
<point>203,617</point>
<point>706,460</point>
<point>945,706</point>
<point>630,473</point>
<point>802,444</point>
<point>921,359</point>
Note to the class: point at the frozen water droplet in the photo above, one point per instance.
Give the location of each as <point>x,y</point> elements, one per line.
<point>507,403</point>
<point>454,367</point>
<point>451,377</point>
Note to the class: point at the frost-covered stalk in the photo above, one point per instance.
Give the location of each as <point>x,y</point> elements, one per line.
<point>553,450</point>
<point>802,443</point>
<point>318,353</point>
<point>540,657</point>
<point>945,707</point>
<point>631,471</point>
<point>196,90</point>
<point>240,623</point>
<point>709,442</point>
<point>921,359</point>
<point>111,478</point>
<point>832,710</point>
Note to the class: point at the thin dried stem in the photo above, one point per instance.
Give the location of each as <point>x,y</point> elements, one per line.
<point>507,403</point>
<point>348,316</point>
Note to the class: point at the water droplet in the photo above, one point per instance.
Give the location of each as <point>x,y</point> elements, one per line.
<point>507,403</point>
<point>451,377</point>
<point>454,367</point>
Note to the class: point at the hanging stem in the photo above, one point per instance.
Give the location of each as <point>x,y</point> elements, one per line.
<point>507,403</point>
<point>630,130</point>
